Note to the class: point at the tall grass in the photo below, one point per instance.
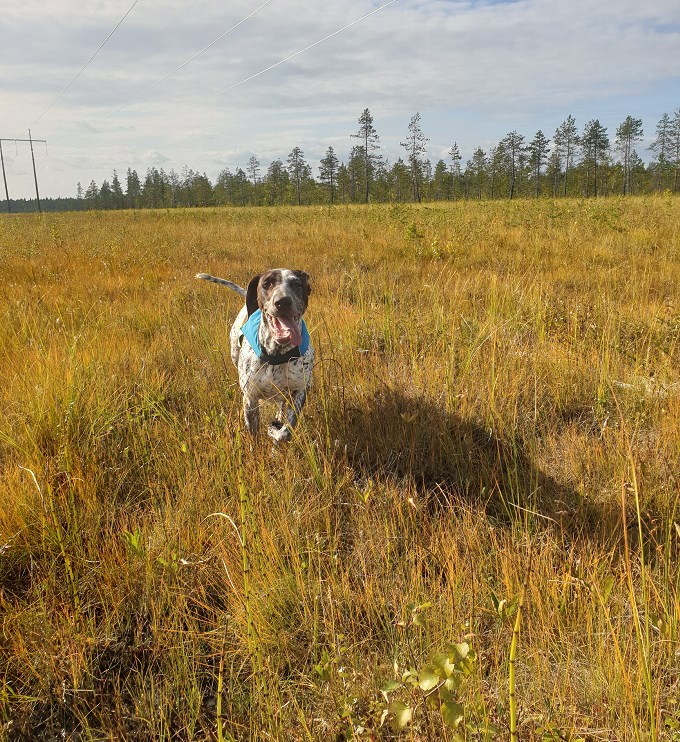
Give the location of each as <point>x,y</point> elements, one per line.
<point>494,380</point>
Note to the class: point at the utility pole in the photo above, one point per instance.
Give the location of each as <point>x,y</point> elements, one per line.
<point>35,176</point>
<point>30,140</point>
<point>4,177</point>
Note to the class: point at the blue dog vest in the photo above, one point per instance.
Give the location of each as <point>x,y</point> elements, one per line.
<point>250,331</point>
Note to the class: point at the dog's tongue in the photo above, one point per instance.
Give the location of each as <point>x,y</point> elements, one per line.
<point>286,331</point>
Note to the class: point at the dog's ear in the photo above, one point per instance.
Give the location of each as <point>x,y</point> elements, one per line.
<point>305,278</point>
<point>251,295</point>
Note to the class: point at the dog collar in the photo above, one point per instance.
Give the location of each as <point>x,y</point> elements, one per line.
<point>251,331</point>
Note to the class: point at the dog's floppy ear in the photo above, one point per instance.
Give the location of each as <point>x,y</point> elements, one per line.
<point>251,295</point>
<point>305,277</point>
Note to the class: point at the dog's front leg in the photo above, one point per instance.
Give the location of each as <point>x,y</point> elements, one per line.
<point>281,430</point>
<point>251,413</point>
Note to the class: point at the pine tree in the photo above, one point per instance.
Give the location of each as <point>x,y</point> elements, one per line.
<point>477,170</point>
<point>454,154</point>
<point>595,145</point>
<point>514,149</point>
<point>675,148</point>
<point>538,155</point>
<point>253,168</point>
<point>566,141</point>
<point>628,132</point>
<point>370,143</point>
<point>299,170</point>
<point>662,145</point>
<point>415,147</point>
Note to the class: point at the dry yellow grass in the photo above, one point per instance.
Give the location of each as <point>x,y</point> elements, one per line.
<point>497,382</point>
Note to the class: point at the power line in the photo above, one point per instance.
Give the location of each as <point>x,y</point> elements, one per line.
<point>133,57</point>
<point>261,72</point>
<point>177,69</point>
<point>185,63</point>
<point>82,69</point>
<point>288,58</point>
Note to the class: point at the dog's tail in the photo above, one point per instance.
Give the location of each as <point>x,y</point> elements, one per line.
<point>222,282</point>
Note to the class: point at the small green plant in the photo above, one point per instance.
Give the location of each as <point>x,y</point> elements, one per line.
<point>671,724</point>
<point>503,607</point>
<point>549,732</point>
<point>133,540</point>
<point>437,686</point>
<point>412,232</point>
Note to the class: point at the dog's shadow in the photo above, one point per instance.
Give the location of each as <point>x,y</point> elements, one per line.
<point>452,460</point>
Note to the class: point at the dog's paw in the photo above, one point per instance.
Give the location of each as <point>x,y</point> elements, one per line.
<point>278,431</point>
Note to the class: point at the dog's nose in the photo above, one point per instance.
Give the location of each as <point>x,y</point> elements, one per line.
<point>285,302</point>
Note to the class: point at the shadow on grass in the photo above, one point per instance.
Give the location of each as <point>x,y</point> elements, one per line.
<point>450,460</point>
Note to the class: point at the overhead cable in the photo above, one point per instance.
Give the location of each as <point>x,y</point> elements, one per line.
<point>82,69</point>
<point>184,64</point>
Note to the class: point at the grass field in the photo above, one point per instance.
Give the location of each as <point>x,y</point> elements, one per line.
<point>473,535</point>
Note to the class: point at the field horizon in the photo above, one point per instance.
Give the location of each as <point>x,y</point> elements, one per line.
<point>473,535</point>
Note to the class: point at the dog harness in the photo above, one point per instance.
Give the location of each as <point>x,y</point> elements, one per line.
<point>251,330</point>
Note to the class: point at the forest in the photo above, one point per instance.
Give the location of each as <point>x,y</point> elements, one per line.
<point>573,163</point>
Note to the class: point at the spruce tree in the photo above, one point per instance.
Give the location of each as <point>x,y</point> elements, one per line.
<point>117,192</point>
<point>133,189</point>
<point>328,172</point>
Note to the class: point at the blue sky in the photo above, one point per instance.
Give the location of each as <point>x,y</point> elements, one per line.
<point>473,70</point>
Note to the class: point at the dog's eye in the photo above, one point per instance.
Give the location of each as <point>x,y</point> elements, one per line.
<point>266,283</point>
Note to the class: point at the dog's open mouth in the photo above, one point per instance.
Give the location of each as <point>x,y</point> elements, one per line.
<point>284,329</point>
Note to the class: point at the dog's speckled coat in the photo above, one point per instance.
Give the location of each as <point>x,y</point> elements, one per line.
<point>279,292</point>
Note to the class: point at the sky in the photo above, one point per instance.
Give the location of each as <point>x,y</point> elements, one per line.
<point>474,70</point>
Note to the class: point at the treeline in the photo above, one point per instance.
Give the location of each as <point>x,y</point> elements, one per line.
<point>573,163</point>
<point>25,205</point>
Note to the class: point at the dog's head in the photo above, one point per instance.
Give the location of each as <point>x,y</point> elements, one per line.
<point>281,295</point>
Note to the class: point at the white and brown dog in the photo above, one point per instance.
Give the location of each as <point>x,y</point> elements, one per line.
<point>270,347</point>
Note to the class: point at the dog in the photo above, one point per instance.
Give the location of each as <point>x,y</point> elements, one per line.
<point>271,348</point>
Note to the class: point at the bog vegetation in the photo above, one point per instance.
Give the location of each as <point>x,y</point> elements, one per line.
<point>473,535</point>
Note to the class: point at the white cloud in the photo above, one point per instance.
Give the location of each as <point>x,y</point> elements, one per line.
<point>474,70</point>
